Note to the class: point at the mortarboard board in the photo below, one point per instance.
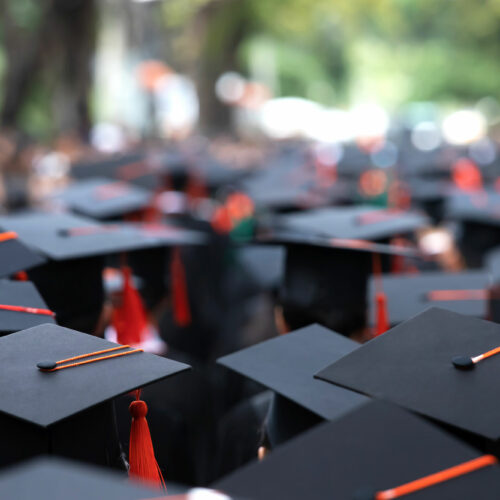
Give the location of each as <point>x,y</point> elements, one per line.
<point>50,478</point>
<point>136,167</point>
<point>71,282</point>
<point>360,222</point>
<point>409,294</point>
<point>62,237</point>
<point>373,449</point>
<point>413,365</point>
<point>16,256</point>
<point>325,279</point>
<point>287,364</point>
<point>21,307</point>
<point>101,198</point>
<point>67,412</point>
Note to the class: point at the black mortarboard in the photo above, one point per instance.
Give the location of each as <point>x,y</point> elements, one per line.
<point>360,222</point>
<point>21,307</point>
<point>286,364</point>
<point>418,364</point>
<point>326,279</point>
<point>372,449</point>
<point>71,282</point>
<point>64,237</point>
<point>136,167</point>
<point>67,412</point>
<point>102,199</point>
<point>51,478</point>
<point>16,256</point>
<point>479,214</point>
<point>409,294</point>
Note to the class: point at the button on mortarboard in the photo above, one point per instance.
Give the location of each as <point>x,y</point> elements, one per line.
<point>416,371</point>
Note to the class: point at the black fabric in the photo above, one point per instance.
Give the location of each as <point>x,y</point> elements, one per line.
<point>56,479</point>
<point>411,365</point>
<point>20,293</point>
<point>375,447</point>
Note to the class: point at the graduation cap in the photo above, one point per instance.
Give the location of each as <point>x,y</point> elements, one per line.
<point>50,478</point>
<point>359,222</point>
<point>479,215</point>
<point>136,167</point>
<point>57,390</point>
<point>286,364</point>
<point>409,294</point>
<point>16,256</point>
<point>21,307</point>
<point>325,278</point>
<point>418,364</point>
<point>375,451</point>
<point>71,282</point>
<point>102,199</point>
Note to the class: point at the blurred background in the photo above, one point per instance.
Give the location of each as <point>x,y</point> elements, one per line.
<point>111,72</point>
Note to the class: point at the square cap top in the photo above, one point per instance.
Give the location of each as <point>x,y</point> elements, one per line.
<point>409,294</point>
<point>360,222</point>
<point>287,364</point>
<point>414,369</point>
<point>45,398</point>
<point>101,198</point>
<point>353,247</point>
<point>478,206</point>
<point>66,236</point>
<point>57,479</point>
<point>21,295</point>
<point>373,448</point>
<point>15,255</point>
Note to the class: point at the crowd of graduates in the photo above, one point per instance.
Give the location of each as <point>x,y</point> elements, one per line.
<point>322,311</point>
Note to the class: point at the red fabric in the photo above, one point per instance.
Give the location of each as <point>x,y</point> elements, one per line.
<point>180,298</point>
<point>129,319</point>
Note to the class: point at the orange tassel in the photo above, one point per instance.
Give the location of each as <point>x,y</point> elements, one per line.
<point>381,312</point>
<point>129,319</point>
<point>221,221</point>
<point>180,298</point>
<point>143,464</point>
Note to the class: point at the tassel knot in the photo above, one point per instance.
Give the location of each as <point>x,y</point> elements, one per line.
<point>138,409</point>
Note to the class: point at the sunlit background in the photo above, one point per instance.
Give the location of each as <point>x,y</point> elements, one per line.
<point>114,71</point>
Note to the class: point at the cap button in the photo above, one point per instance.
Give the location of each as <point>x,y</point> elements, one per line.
<point>462,362</point>
<point>46,365</point>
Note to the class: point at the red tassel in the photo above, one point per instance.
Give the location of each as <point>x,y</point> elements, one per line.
<point>143,464</point>
<point>129,319</point>
<point>21,276</point>
<point>180,299</point>
<point>381,312</point>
